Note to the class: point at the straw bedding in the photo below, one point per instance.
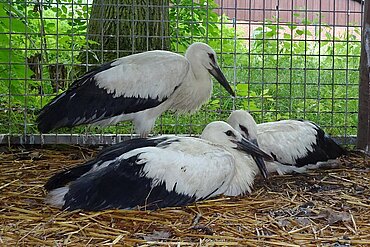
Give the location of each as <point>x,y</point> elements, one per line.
<point>322,208</point>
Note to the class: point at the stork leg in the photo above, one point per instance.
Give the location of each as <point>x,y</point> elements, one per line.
<point>283,169</point>
<point>144,135</point>
<point>143,125</point>
<point>329,164</point>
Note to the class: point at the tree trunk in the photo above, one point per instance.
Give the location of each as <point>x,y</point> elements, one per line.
<point>123,27</point>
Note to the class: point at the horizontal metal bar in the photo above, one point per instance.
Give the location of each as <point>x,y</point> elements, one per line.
<point>91,139</point>
<point>79,139</point>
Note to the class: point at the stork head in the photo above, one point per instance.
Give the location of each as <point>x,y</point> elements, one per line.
<point>206,57</point>
<point>244,123</point>
<point>222,133</point>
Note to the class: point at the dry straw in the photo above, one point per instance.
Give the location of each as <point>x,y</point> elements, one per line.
<point>322,208</point>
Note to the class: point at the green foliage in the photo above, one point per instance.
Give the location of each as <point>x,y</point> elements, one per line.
<point>316,80</point>
<point>28,31</point>
<point>276,73</point>
<point>11,64</point>
<point>192,21</point>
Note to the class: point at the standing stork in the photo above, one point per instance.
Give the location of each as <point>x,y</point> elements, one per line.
<point>295,145</point>
<point>138,87</point>
<point>160,172</point>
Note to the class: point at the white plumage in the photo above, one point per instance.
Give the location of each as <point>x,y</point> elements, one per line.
<point>160,172</point>
<point>295,145</point>
<point>139,87</point>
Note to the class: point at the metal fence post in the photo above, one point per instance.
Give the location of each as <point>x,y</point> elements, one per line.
<point>363,133</point>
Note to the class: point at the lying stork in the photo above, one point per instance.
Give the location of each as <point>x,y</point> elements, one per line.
<point>160,172</point>
<point>295,145</point>
<point>139,87</point>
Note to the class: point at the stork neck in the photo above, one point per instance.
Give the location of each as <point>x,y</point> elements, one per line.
<point>245,172</point>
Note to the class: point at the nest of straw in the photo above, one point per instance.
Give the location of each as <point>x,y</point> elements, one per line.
<point>321,208</point>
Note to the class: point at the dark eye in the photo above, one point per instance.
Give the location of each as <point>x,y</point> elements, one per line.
<point>244,129</point>
<point>229,133</point>
<point>212,57</point>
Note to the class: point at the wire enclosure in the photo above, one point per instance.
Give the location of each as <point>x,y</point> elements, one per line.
<point>285,58</point>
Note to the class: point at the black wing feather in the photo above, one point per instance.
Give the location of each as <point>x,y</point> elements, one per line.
<point>121,185</point>
<point>323,149</point>
<point>85,103</point>
<point>110,153</point>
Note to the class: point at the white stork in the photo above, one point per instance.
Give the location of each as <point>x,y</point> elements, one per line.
<point>295,145</point>
<point>160,172</point>
<point>138,87</point>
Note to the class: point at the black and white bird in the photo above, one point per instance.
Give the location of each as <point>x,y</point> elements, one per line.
<point>160,172</point>
<point>295,145</point>
<point>138,87</point>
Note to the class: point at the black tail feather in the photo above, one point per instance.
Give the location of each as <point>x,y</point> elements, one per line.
<point>333,149</point>
<point>51,116</point>
<point>63,178</point>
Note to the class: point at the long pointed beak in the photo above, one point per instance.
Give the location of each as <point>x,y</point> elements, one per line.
<point>260,162</point>
<point>258,155</point>
<point>220,77</point>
